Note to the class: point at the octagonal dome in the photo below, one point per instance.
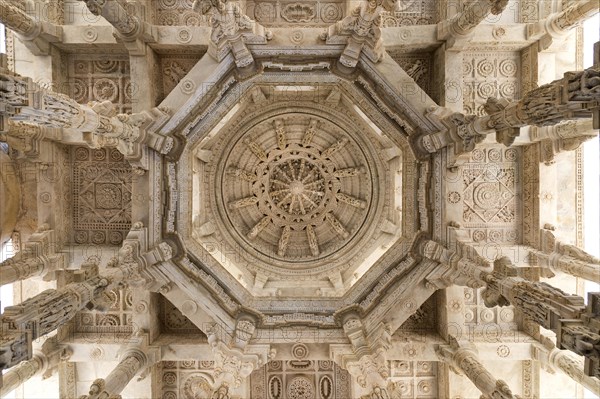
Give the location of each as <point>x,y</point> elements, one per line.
<point>295,191</point>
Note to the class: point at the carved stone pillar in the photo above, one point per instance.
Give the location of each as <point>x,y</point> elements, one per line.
<point>131,363</point>
<point>42,314</point>
<point>567,258</point>
<point>36,35</point>
<point>559,24</point>
<point>360,32</point>
<point>34,114</point>
<point>565,136</point>
<point>463,360</point>
<point>231,31</point>
<point>571,365</point>
<point>46,311</point>
<point>575,96</point>
<point>577,327</point>
<point>37,258</point>
<point>10,197</point>
<point>458,28</point>
<point>44,361</point>
<point>129,26</point>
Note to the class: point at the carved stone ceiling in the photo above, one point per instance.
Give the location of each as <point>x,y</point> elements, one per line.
<point>301,187</point>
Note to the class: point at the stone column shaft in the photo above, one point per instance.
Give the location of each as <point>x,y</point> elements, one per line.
<point>48,310</point>
<point>464,361</point>
<point>126,24</point>
<point>571,17</point>
<point>572,366</point>
<point>36,35</point>
<point>15,270</point>
<point>574,267</point>
<point>463,23</point>
<point>111,386</point>
<point>17,20</point>
<point>575,96</point>
<point>20,373</point>
<point>34,114</point>
<point>566,258</point>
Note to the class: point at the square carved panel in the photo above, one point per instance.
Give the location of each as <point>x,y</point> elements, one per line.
<point>99,78</point>
<point>102,182</point>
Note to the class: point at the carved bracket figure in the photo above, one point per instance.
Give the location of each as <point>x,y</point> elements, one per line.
<point>361,32</point>
<point>231,31</point>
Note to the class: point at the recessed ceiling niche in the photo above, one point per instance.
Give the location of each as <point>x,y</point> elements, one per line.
<point>296,186</point>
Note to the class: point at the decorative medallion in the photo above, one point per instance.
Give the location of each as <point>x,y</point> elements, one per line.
<point>296,187</point>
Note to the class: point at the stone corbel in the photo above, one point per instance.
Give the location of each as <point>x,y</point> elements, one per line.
<point>366,361</point>
<point>460,267</point>
<point>360,32</point>
<point>232,31</point>
<point>235,358</point>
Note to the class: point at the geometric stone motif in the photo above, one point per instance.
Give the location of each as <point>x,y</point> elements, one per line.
<point>416,379</point>
<point>489,194</point>
<point>116,319</point>
<point>95,78</point>
<point>188,379</point>
<point>483,194</point>
<point>489,75</point>
<point>300,379</point>
<point>177,13</point>
<point>291,13</point>
<point>102,183</point>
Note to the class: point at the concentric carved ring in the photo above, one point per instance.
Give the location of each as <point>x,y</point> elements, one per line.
<point>296,187</point>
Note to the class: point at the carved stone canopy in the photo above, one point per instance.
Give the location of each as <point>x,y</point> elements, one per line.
<point>297,184</point>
